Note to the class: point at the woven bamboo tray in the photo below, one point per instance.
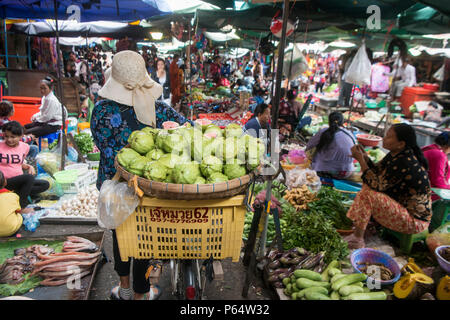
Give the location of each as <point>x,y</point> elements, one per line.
<point>173,191</point>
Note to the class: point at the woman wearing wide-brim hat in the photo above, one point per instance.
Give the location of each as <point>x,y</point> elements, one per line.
<point>129,103</point>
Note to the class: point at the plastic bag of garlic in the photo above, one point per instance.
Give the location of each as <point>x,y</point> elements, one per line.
<point>84,204</point>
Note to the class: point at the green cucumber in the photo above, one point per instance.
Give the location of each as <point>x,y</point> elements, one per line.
<point>303,283</point>
<point>348,280</point>
<point>376,295</point>
<point>335,296</point>
<point>321,290</point>
<point>308,274</point>
<point>359,284</point>
<point>332,264</point>
<point>312,295</point>
<point>337,277</point>
<point>347,290</point>
<point>334,271</point>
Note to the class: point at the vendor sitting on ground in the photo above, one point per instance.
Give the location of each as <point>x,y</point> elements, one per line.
<point>332,156</point>
<point>396,191</point>
<point>436,155</point>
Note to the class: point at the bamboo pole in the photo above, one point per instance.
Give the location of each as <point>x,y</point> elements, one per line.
<point>62,135</point>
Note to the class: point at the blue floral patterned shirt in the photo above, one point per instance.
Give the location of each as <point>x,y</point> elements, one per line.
<point>111,125</point>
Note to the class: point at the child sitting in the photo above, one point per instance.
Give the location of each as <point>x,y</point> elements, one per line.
<point>6,112</point>
<point>12,164</point>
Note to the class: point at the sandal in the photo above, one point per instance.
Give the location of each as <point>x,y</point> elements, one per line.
<point>116,296</point>
<point>152,295</point>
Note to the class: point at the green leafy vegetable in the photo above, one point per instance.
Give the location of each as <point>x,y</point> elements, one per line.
<point>331,204</point>
<point>315,233</point>
<point>84,142</point>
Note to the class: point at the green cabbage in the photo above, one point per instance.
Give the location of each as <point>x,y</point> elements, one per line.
<point>186,173</point>
<point>126,156</point>
<point>154,154</point>
<point>213,129</point>
<point>200,180</point>
<point>171,142</point>
<point>210,165</point>
<point>217,177</point>
<point>234,170</point>
<point>142,142</point>
<point>155,171</point>
<point>233,130</point>
<point>169,160</point>
<point>149,130</point>
<point>137,165</point>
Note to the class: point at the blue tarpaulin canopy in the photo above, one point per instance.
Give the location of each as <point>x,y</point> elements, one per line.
<point>90,10</point>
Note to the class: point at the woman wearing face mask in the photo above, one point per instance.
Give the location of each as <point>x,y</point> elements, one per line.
<point>49,118</point>
<point>396,191</point>
<point>162,77</point>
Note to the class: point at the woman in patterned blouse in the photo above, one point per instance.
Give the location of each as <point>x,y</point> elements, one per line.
<point>128,104</point>
<point>396,191</point>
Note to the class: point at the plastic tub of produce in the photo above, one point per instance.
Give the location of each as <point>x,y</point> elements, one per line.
<point>368,140</point>
<point>443,262</point>
<point>366,255</point>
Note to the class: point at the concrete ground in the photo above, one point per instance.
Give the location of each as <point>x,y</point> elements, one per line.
<point>230,288</point>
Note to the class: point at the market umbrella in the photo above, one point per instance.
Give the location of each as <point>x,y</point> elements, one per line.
<point>71,28</point>
<point>82,11</point>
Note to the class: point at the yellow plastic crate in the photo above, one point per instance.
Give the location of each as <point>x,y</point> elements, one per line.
<point>183,229</point>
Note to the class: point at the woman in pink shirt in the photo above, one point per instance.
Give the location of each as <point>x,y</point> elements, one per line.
<point>436,155</point>
<point>12,163</point>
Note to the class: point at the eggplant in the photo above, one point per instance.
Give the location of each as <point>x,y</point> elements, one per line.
<point>284,261</point>
<point>272,255</point>
<point>273,278</point>
<point>314,261</point>
<point>276,272</point>
<point>292,269</point>
<point>275,264</point>
<point>295,261</point>
<point>278,284</point>
<point>281,276</point>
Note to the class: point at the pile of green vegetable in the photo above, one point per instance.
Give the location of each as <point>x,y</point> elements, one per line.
<point>334,206</point>
<point>191,155</point>
<point>84,142</point>
<point>314,232</point>
<point>331,284</point>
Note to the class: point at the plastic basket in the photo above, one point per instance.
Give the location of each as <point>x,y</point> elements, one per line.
<point>82,181</point>
<point>82,168</point>
<point>375,256</point>
<point>183,229</point>
<point>347,187</point>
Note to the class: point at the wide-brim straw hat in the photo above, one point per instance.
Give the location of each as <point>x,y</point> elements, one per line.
<point>128,83</point>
